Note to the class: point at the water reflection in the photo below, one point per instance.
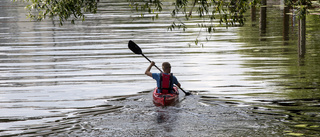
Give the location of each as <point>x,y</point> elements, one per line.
<point>263,19</point>
<point>289,66</point>
<point>166,119</point>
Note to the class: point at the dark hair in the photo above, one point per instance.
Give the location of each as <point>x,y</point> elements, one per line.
<point>165,65</point>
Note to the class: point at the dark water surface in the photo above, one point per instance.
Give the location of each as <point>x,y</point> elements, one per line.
<point>82,80</point>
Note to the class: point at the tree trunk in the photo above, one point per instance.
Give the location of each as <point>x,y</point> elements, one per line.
<point>263,18</point>
<point>302,36</point>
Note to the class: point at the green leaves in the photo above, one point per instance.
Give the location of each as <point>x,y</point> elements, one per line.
<point>148,6</point>
<point>229,12</point>
<point>62,9</point>
<point>181,25</point>
<point>301,6</point>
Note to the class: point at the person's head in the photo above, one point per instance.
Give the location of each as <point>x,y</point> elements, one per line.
<point>166,67</point>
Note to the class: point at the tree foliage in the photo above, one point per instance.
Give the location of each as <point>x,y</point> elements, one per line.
<point>301,6</point>
<point>228,12</point>
<point>63,9</point>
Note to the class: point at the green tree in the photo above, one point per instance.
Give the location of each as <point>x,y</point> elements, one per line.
<point>301,5</point>
<point>228,12</point>
<point>63,9</point>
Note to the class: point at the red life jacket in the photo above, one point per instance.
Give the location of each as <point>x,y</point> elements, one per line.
<point>166,85</point>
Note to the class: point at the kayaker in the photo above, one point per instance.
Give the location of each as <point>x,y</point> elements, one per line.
<point>164,84</point>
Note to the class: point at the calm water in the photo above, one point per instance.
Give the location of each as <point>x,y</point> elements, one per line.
<point>83,80</point>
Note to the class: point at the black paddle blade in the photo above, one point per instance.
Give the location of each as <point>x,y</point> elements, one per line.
<point>188,93</point>
<point>134,47</point>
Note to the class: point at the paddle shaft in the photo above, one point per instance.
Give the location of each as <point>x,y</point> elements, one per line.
<point>150,61</point>
<point>162,72</point>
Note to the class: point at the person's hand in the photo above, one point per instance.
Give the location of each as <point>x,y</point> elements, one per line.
<point>152,63</point>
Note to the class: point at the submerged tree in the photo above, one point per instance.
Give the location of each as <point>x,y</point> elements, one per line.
<point>301,5</point>
<point>228,12</point>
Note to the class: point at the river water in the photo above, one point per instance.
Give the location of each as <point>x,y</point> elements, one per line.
<point>82,80</point>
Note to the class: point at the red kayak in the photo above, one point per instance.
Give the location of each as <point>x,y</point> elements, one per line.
<point>160,99</point>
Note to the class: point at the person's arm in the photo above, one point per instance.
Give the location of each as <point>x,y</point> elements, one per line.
<point>176,82</point>
<point>179,85</point>
<point>149,68</point>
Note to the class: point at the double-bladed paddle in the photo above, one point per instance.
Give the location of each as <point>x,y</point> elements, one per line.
<point>137,50</point>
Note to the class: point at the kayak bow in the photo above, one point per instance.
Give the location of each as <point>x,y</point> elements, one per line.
<point>160,99</point>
